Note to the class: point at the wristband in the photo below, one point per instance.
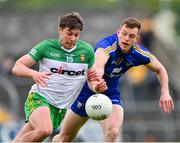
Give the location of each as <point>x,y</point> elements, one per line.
<point>94,89</point>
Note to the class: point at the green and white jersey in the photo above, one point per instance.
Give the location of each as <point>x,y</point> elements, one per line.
<point>69,70</point>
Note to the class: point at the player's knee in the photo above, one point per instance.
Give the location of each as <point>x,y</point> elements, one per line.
<point>113,133</point>
<point>44,132</point>
<point>63,138</point>
<point>66,138</point>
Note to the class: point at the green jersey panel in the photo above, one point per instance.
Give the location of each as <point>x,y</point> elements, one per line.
<point>69,70</point>
<point>52,49</point>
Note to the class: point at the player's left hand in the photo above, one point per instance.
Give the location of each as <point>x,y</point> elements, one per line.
<point>166,103</point>
<point>92,75</point>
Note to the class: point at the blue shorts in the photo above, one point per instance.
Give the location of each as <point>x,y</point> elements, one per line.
<point>78,106</point>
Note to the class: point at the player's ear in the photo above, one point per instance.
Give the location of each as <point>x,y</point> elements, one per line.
<point>59,29</point>
<point>118,30</point>
<point>138,38</point>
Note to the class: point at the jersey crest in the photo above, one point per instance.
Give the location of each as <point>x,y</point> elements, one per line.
<point>82,57</point>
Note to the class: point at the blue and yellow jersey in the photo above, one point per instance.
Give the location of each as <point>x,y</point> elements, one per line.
<point>118,62</point>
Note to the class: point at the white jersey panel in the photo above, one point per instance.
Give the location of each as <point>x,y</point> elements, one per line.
<point>65,83</point>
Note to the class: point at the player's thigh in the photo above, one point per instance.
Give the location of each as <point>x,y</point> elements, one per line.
<point>72,123</point>
<point>115,120</point>
<point>40,118</point>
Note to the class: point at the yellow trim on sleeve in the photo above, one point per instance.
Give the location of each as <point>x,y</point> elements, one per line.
<point>111,48</point>
<point>104,51</point>
<point>147,54</point>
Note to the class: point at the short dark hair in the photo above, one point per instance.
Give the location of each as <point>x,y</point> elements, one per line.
<point>131,23</point>
<point>71,20</point>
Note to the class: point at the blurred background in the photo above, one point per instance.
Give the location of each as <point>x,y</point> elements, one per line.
<point>24,23</point>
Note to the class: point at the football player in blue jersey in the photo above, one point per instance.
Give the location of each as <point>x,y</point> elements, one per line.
<point>114,55</point>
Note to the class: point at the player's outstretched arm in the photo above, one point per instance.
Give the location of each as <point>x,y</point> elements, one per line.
<point>165,102</point>
<point>101,59</point>
<point>99,85</point>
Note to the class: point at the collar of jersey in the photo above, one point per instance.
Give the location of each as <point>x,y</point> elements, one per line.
<point>68,50</point>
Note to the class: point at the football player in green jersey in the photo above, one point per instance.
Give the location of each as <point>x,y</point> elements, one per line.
<point>64,65</point>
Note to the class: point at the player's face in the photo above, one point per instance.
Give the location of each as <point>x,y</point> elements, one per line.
<point>127,37</point>
<point>68,37</point>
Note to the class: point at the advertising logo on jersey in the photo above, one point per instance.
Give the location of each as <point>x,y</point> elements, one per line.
<point>60,70</point>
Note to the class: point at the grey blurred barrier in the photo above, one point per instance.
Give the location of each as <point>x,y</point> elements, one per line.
<point>11,102</point>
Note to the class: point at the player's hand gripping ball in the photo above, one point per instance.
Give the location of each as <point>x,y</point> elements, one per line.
<point>98,107</point>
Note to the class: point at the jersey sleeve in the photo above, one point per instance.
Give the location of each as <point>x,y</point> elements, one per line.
<point>37,52</point>
<point>108,46</point>
<point>102,44</point>
<point>144,56</point>
<point>91,57</point>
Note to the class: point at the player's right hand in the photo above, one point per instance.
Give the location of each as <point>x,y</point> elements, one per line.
<point>166,103</point>
<point>101,86</point>
<point>40,78</point>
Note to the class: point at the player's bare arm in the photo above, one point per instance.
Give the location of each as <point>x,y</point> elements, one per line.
<point>100,60</point>
<point>92,75</point>
<point>165,102</point>
<point>99,85</point>
<point>96,83</point>
<point>21,68</point>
